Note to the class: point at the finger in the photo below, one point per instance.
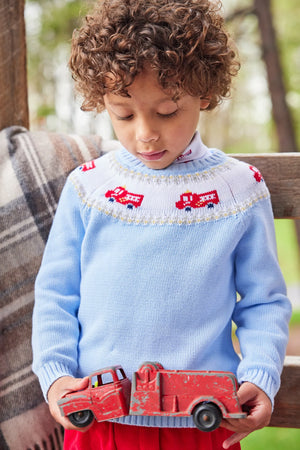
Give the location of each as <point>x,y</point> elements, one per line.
<point>238,426</point>
<point>234,439</point>
<point>229,425</point>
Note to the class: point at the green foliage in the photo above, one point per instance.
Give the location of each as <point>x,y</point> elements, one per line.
<point>286,21</point>
<point>44,111</point>
<point>59,21</point>
<point>251,110</point>
<point>48,40</point>
<point>250,127</point>
<point>295,319</point>
<point>288,253</point>
<point>58,18</point>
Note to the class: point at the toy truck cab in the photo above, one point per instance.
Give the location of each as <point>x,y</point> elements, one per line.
<point>106,397</point>
<point>207,396</point>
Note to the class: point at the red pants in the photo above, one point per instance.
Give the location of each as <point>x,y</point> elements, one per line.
<point>114,436</point>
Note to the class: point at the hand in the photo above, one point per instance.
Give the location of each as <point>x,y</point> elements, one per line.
<point>259,408</point>
<point>58,390</point>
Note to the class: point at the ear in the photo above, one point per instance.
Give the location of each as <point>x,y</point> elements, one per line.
<point>204,103</point>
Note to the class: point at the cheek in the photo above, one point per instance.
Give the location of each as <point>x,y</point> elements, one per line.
<point>184,131</point>
<point>118,127</point>
<point>124,135</point>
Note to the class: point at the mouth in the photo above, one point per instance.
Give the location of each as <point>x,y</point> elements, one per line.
<point>152,156</point>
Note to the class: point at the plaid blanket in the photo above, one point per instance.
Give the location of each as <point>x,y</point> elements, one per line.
<point>33,170</point>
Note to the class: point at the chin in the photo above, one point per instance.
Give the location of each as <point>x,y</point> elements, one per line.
<point>157,165</point>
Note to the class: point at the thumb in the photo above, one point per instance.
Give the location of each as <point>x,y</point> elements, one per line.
<point>76,384</point>
<point>246,392</point>
<point>81,383</point>
<point>59,389</point>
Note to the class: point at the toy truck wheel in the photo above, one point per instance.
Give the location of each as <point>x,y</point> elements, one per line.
<point>207,416</point>
<point>81,418</point>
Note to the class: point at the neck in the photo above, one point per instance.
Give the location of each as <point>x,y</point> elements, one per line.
<point>195,150</point>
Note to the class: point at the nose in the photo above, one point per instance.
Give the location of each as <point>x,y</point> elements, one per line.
<point>147,139</point>
<point>146,132</point>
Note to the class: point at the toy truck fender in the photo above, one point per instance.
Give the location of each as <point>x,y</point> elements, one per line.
<point>215,401</point>
<point>103,399</point>
<point>78,402</point>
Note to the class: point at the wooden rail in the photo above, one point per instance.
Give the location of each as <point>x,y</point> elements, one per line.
<point>287,402</point>
<point>281,172</point>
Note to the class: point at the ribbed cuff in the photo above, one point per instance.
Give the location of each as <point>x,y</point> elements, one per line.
<point>262,380</point>
<point>49,373</point>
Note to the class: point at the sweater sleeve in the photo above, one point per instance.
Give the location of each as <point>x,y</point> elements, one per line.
<point>55,326</point>
<point>262,314</point>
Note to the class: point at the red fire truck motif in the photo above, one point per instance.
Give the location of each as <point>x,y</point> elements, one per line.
<point>256,173</point>
<point>189,200</point>
<point>207,396</point>
<point>87,166</point>
<point>121,195</point>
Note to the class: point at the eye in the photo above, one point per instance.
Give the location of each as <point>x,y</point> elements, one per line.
<point>125,118</point>
<point>169,115</point>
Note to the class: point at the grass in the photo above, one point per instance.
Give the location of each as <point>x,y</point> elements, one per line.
<point>272,439</point>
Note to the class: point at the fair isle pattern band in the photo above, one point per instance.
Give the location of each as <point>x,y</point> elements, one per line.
<point>130,196</point>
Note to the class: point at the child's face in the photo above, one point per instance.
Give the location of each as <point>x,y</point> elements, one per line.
<point>149,124</point>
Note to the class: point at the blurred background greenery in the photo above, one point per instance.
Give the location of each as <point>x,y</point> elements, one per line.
<point>272,439</point>
<point>243,124</point>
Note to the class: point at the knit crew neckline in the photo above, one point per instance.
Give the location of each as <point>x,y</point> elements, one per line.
<point>206,158</point>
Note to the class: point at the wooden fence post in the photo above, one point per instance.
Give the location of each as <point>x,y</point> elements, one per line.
<point>13,77</point>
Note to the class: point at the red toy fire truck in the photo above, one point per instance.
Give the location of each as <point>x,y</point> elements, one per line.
<point>206,395</point>
<point>189,200</point>
<point>106,397</point>
<point>121,195</point>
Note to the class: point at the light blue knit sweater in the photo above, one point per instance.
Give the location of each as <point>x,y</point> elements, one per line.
<point>145,265</point>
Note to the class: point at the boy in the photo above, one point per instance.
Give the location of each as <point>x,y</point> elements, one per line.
<point>149,247</point>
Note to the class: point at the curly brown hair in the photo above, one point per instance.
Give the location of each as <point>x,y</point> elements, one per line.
<point>184,41</point>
